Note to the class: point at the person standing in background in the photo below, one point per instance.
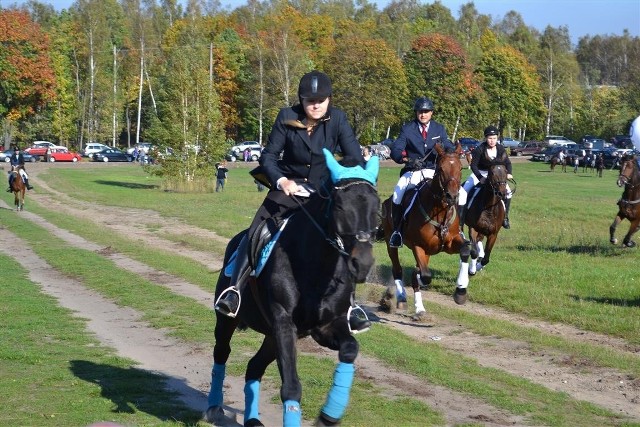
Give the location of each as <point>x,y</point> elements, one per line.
<point>221,176</point>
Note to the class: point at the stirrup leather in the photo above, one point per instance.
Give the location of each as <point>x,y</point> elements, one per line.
<point>223,293</point>
<point>357,308</point>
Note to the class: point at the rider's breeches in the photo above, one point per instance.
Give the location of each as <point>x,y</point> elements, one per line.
<point>411,178</point>
<point>23,174</point>
<point>471,182</point>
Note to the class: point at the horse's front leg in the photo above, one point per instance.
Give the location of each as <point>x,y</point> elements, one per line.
<point>474,251</point>
<point>421,279</point>
<point>338,396</point>
<point>255,370</point>
<point>464,248</point>
<point>396,271</point>
<point>627,242</point>
<point>491,240</point>
<point>291,389</point>
<point>612,228</point>
<point>225,327</point>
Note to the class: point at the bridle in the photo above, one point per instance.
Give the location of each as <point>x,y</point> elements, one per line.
<point>362,236</point>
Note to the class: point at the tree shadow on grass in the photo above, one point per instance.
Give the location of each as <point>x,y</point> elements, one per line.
<point>618,302</point>
<point>596,250</point>
<point>131,185</point>
<point>134,390</point>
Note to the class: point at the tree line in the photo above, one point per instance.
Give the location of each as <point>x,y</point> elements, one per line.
<point>120,72</point>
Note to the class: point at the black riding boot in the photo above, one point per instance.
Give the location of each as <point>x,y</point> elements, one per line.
<point>358,320</point>
<point>505,223</point>
<point>395,241</point>
<point>229,301</point>
<point>26,182</point>
<point>462,210</point>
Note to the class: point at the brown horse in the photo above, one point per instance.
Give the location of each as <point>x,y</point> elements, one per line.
<point>431,226</point>
<point>556,161</point>
<point>18,187</point>
<point>629,203</point>
<point>485,213</point>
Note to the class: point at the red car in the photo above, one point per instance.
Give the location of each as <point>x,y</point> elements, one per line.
<point>63,155</point>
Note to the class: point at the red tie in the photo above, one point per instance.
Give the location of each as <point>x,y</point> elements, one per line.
<point>424,132</point>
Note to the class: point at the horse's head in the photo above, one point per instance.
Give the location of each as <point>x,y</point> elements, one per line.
<point>628,171</point>
<point>355,213</point>
<point>446,179</point>
<point>497,180</point>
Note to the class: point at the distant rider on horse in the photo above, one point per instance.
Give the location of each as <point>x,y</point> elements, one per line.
<point>487,154</point>
<point>415,148</point>
<point>17,159</point>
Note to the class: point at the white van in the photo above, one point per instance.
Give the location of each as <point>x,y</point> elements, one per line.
<point>92,148</point>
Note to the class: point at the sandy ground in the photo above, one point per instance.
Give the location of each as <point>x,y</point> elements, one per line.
<point>188,367</point>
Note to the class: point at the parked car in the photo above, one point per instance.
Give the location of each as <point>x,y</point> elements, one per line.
<point>547,154</point>
<point>232,156</point>
<point>63,155</point>
<point>468,144</point>
<point>111,155</point>
<point>527,148</point>
<point>253,145</point>
<point>380,150</point>
<point>510,142</point>
<point>5,156</point>
<point>92,147</point>
<point>143,146</point>
<point>557,140</point>
<point>39,148</point>
<point>621,141</point>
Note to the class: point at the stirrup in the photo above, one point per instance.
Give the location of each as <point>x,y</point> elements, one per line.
<point>350,312</point>
<point>396,235</point>
<point>222,294</point>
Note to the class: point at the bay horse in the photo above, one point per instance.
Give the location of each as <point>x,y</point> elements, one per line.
<point>18,187</point>
<point>431,226</point>
<point>555,160</point>
<point>485,213</point>
<point>629,203</point>
<point>304,288</point>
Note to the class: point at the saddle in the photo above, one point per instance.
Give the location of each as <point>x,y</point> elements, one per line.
<point>261,245</point>
<point>410,196</point>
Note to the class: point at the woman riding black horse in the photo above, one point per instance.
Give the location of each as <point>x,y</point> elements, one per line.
<point>293,163</point>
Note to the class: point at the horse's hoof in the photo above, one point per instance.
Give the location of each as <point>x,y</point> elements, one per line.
<point>384,305</point>
<point>253,422</point>
<point>323,421</point>
<point>215,414</point>
<point>401,305</point>
<point>613,241</point>
<point>419,316</point>
<point>460,296</point>
<point>630,244</point>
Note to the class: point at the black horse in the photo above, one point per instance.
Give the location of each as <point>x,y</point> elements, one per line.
<point>485,213</point>
<point>304,288</point>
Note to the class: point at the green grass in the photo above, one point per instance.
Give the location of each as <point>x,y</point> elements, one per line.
<point>555,264</point>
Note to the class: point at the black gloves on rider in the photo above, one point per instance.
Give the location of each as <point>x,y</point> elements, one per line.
<point>414,164</point>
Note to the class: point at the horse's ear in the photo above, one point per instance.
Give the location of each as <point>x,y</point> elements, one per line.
<point>458,148</point>
<point>339,172</point>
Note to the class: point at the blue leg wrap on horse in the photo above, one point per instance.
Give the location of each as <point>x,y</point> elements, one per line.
<point>338,397</point>
<point>251,400</point>
<point>292,416</point>
<point>217,379</point>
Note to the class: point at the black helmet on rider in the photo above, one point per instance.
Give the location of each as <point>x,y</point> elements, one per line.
<point>314,85</point>
<point>423,103</point>
<point>491,130</point>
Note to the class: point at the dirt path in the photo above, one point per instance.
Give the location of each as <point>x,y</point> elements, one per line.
<point>189,368</point>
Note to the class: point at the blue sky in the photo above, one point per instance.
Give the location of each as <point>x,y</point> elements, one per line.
<point>582,17</point>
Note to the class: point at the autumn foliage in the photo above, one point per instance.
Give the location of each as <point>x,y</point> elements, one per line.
<point>26,76</point>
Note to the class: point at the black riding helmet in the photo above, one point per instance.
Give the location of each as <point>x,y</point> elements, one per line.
<point>314,84</point>
<point>491,130</point>
<point>423,103</point>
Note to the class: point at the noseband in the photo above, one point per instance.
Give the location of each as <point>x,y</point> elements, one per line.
<point>362,236</point>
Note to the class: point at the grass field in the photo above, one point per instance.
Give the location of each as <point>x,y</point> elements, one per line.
<point>555,264</point>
